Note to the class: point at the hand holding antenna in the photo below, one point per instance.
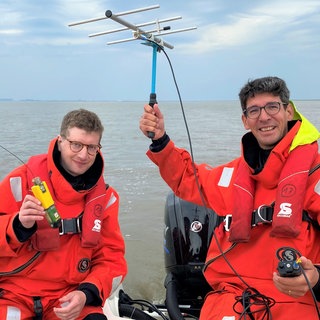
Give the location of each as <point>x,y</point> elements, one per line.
<point>152,121</point>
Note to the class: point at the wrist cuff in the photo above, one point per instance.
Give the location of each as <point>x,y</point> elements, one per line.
<point>316,288</point>
<point>160,144</point>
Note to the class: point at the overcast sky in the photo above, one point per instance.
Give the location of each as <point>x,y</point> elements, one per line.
<point>42,57</point>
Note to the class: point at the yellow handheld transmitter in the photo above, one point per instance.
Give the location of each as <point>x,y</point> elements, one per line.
<point>42,193</point>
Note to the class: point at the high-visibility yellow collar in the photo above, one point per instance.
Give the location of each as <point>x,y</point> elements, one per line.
<point>307,133</point>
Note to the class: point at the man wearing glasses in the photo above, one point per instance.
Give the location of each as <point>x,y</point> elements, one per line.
<point>270,198</point>
<point>69,270</point>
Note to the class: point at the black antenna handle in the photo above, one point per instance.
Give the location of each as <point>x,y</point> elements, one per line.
<point>152,102</point>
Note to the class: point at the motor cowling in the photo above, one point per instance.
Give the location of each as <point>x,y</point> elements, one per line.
<point>187,235</point>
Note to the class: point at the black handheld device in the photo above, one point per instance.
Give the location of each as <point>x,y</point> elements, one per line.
<point>289,268</point>
<point>289,264</point>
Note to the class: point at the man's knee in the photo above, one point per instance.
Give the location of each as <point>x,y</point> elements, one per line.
<point>95,316</point>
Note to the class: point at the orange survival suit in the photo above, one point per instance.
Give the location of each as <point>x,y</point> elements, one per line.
<point>251,250</point>
<point>47,263</point>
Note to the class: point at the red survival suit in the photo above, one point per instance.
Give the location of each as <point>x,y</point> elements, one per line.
<point>254,255</point>
<point>53,264</point>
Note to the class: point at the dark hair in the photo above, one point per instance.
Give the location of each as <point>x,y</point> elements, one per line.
<point>82,119</point>
<point>273,85</point>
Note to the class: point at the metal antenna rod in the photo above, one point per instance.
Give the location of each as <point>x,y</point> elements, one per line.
<point>118,14</point>
<point>175,31</point>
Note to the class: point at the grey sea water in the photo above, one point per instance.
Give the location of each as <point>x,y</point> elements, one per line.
<point>215,129</point>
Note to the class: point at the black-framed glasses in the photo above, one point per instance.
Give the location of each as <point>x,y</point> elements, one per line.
<point>271,108</point>
<point>76,146</point>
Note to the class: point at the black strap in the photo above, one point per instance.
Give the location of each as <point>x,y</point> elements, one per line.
<point>264,213</point>
<point>314,169</point>
<point>38,309</point>
<point>260,216</point>
<point>71,226</point>
<point>313,222</point>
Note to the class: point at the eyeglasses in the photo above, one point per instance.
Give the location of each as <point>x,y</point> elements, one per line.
<point>270,108</point>
<point>76,147</point>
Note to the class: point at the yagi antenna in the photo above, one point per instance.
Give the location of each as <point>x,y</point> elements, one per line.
<point>151,37</point>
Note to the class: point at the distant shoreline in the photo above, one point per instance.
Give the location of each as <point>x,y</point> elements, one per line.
<point>143,101</point>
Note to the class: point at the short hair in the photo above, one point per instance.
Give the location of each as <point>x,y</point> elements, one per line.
<point>273,85</point>
<point>82,119</point>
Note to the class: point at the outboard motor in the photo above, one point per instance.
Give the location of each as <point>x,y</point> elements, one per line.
<point>187,235</point>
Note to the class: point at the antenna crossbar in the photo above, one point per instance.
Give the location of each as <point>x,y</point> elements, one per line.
<point>118,14</point>
<point>138,25</point>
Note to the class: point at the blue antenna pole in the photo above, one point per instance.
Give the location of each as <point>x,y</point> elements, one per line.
<point>153,96</point>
